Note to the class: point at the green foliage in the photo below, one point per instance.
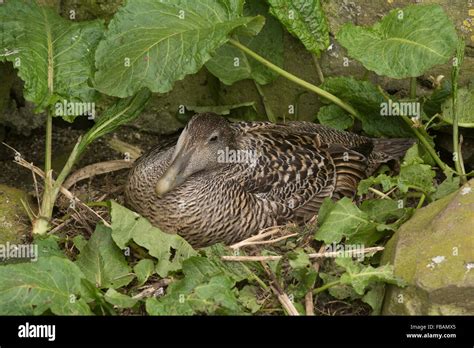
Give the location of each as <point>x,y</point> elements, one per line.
<point>54,57</point>
<point>119,300</point>
<point>304,19</point>
<point>335,117</point>
<point>143,270</point>
<point>102,262</point>
<point>52,283</point>
<point>268,43</point>
<point>405,43</point>
<point>464,107</point>
<point>175,41</point>
<point>127,226</point>
<point>367,99</point>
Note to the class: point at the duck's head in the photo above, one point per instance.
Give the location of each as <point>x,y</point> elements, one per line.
<point>197,149</point>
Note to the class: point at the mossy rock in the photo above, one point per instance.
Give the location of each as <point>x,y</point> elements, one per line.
<point>434,253</point>
<point>14,222</point>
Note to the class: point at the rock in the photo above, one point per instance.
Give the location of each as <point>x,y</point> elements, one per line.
<point>434,253</point>
<point>14,222</point>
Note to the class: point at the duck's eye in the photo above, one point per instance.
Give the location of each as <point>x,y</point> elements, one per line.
<point>213,139</point>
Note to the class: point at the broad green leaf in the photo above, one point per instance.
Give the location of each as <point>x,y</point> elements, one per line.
<point>304,19</point>
<point>48,246</point>
<point>119,300</point>
<point>303,272</point>
<point>52,283</point>
<point>368,100</point>
<point>54,56</point>
<point>102,262</point>
<point>335,117</point>
<point>79,242</point>
<point>169,249</point>
<point>464,108</point>
<point>405,43</point>
<point>360,276</point>
<point>344,220</point>
<point>143,270</point>
<point>381,210</point>
<point>153,43</point>
<point>230,64</point>
<point>416,176</point>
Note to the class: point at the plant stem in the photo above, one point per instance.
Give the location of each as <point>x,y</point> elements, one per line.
<point>318,68</point>
<point>458,163</point>
<point>270,115</point>
<point>319,91</point>
<point>422,200</point>
<point>326,286</point>
<point>49,137</point>
<point>413,88</point>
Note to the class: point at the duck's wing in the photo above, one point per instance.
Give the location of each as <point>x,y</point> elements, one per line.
<point>299,170</point>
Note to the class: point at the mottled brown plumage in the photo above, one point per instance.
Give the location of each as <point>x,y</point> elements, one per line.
<point>283,173</point>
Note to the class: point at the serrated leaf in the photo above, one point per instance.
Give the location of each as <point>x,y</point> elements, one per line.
<point>54,56</point>
<point>48,246</point>
<point>119,300</point>
<point>386,181</point>
<point>374,298</point>
<point>464,108</point>
<point>127,225</point>
<point>340,291</point>
<point>304,19</point>
<point>248,298</point>
<point>79,242</point>
<point>417,176</point>
<point>344,220</point>
<point>405,43</point>
<point>102,262</point>
<point>335,117</point>
<point>360,276</point>
<point>52,283</point>
<point>381,210</point>
<point>153,44</point>
<point>230,64</point>
<point>368,100</point>
<point>143,270</point>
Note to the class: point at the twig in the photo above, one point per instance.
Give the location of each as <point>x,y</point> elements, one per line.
<point>278,291</point>
<point>125,148</point>
<point>96,169</point>
<point>311,256</point>
<point>19,160</point>
<point>257,239</point>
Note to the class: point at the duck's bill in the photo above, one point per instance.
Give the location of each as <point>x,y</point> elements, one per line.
<point>173,176</point>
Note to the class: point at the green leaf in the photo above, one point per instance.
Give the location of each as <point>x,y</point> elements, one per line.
<point>79,242</point>
<point>417,176</point>
<point>368,100</point>
<point>54,56</point>
<point>432,104</point>
<point>304,19</point>
<point>464,108</point>
<point>102,262</point>
<point>386,181</point>
<point>248,298</point>
<point>374,297</point>
<point>268,43</point>
<point>381,210</point>
<point>48,246</point>
<point>335,117</point>
<point>344,220</point>
<point>163,41</point>
<point>405,43</point>
<point>119,300</point>
<point>360,276</point>
<point>198,291</point>
<point>127,225</point>
<point>52,283</point>
<point>143,270</point>
<point>449,185</point>
<point>340,291</point>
